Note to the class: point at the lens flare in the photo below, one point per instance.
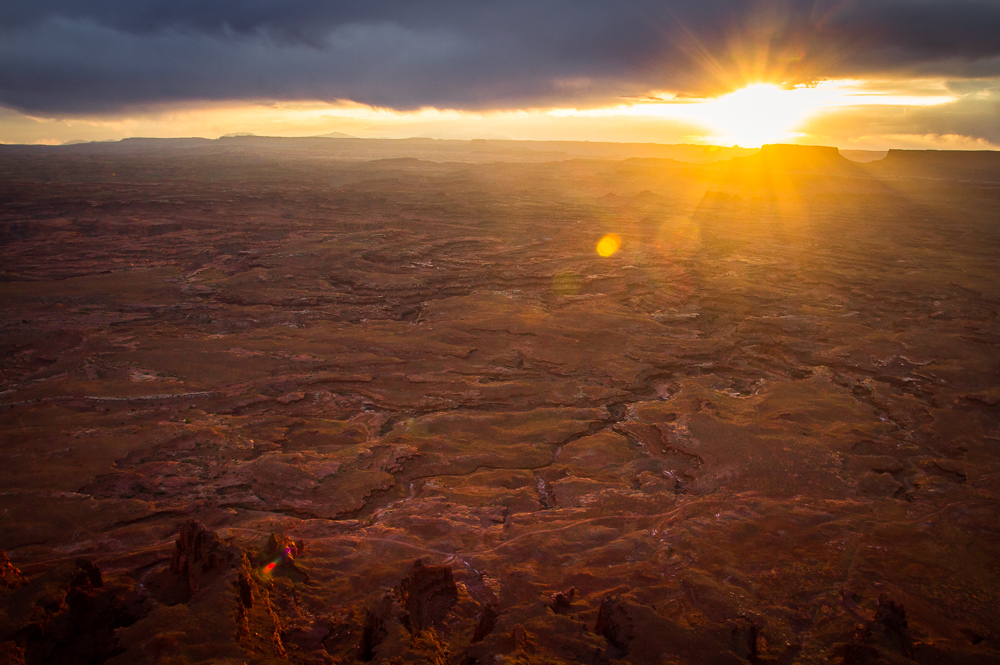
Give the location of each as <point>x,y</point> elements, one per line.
<point>609,244</point>
<point>283,558</point>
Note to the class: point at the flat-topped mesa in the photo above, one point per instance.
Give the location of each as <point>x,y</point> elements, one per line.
<point>945,158</point>
<point>974,165</point>
<point>781,157</point>
<point>787,157</point>
<point>804,153</point>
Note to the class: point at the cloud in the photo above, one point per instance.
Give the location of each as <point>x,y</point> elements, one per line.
<point>89,56</point>
<point>970,119</point>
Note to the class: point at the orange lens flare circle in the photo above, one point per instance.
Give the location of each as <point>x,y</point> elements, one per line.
<point>609,244</point>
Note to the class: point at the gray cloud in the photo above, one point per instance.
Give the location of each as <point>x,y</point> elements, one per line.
<point>82,56</point>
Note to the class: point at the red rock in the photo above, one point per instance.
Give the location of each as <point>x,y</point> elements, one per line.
<point>10,576</point>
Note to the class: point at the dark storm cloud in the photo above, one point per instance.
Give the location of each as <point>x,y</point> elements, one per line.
<point>92,56</point>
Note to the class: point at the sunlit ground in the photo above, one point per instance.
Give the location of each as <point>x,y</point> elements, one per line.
<point>756,114</point>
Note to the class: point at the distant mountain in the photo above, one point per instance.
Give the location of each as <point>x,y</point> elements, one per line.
<point>336,135</point>
<point>79,141</point>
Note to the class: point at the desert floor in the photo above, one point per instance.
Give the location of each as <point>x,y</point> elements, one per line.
<point>269,405</point>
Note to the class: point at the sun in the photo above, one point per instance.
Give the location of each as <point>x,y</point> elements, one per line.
<point>757,114</point>
<point>763,111</point>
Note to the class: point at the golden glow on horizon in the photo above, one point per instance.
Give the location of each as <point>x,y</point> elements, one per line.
<point>759,113</point>
<point>609,244</point>
<point>764,112</point>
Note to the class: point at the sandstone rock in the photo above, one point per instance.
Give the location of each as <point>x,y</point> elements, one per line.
<point>426,595</point>
<point>10,576</point>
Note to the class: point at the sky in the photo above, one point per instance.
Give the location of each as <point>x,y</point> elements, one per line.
<point>862,74</point>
